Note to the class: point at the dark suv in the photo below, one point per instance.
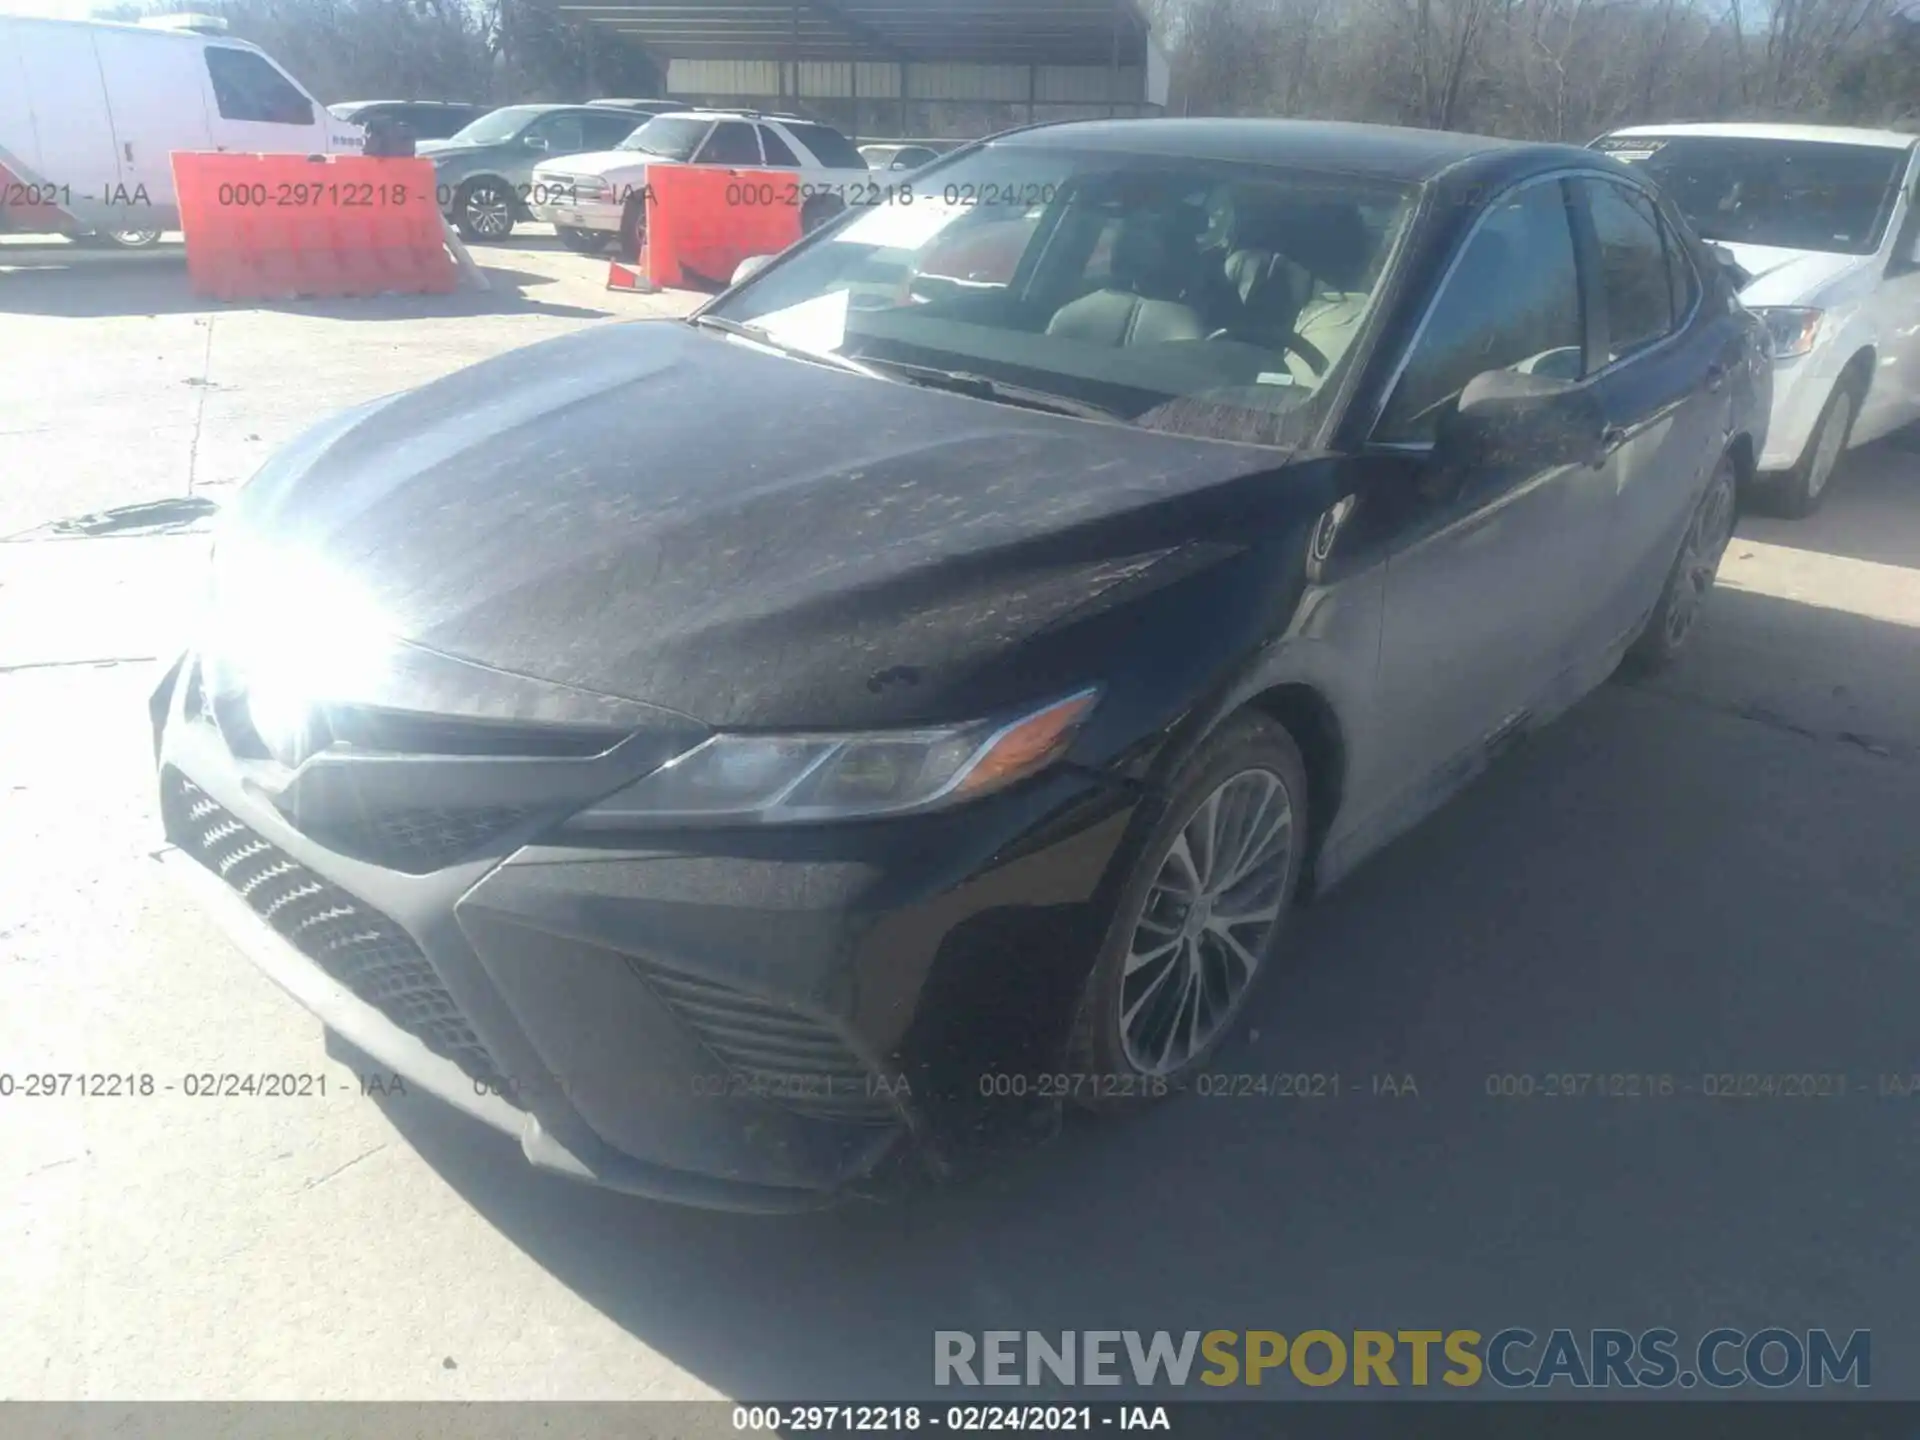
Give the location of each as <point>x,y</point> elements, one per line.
<point>427,119</point>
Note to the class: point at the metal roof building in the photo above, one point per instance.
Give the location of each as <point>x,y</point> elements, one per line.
<point>949,68</point>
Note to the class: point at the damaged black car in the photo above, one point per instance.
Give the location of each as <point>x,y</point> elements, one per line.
<point>751,757</point>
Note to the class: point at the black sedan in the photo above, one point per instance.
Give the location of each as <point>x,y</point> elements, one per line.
<point>764,757</point>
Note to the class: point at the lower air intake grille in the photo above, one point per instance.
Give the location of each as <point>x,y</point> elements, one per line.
<point>352,942</point>
<point>776,1053</point>
<point>417,842</point>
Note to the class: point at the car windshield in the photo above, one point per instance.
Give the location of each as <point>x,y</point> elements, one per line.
<point>1793,194</point>
<point>498,125</point>
<point>1185,295</point>
<point>670,137</point>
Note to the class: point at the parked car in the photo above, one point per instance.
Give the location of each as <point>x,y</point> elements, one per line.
<point>1823,220</point>
<point>597,201</point>
<point>426,119</point>
<point>740,755</point>
<point>484,174</point>
<point>898,156</point>
<point>91,113</point>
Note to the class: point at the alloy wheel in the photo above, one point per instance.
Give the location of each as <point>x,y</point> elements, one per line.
<point>489,212</point>
<point>1206,922</point>
<point>1826,450</point>
<point>1707,539</point>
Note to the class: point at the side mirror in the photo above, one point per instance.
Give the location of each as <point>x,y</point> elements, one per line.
<point>750,267</point>
<point>535,142</point>
<point>1506,420</point>
<point>1735,271</point>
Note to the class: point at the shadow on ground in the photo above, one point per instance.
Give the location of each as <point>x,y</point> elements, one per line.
<point>83,285</point>
<point>1654,887</point>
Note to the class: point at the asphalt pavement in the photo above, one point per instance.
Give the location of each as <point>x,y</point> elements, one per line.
<point>1710,876</point>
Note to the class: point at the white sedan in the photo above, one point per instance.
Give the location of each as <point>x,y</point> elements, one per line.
<point>594,200</point>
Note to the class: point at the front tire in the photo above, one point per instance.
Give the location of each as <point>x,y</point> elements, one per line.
<point>1694,570</point>
<point>633,230</point>
<point>1797,493</point>
<point>584,242</point>
<point>1199,916</point>
<point>483,211</point>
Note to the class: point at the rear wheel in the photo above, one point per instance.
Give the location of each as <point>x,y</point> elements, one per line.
<point>483,210</point>
<point>584,242</point>
<point>1798,492</point>
<point>1200,914</point>
<point>1694,571</point>
<point>817,211</point>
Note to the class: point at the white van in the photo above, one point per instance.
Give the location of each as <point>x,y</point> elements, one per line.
<point>91,113</point>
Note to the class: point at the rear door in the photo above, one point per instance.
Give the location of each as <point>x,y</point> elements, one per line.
<point>256,106</point>
<point>1894,398</point>
<point>156,93</point>
<point>1490,575</point>
<point>1662,381</point>
<point>56,139</point>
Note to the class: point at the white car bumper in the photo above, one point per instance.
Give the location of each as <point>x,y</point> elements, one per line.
<point>582,214</point>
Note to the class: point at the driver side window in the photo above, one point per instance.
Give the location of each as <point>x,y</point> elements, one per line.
<point>1512,302</point>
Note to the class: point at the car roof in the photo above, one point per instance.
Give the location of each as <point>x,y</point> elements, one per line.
<point>1743,130</point>
<point>1384,152</point>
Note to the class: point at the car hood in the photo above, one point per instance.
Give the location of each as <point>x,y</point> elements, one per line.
<point>1790,277</point>
<point>602,162</point>
<point>654,512</point>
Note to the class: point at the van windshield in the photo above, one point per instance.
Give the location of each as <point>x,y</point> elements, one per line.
<point>498,125</point>
<point>1793,194</point>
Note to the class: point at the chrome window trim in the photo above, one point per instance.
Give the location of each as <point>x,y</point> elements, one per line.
<point>1581,172</point>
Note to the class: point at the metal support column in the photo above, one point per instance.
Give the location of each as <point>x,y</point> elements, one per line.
<point>1113,68</point>
<point>1033,89</point>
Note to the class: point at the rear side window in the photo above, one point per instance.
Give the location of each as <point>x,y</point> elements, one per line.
<point>732,143</point>
<point>832,148</point>
<point>246,87</point>
<point>1511,302</point>
<point>1682,278</point>
<point>1633,268</point>
<point>778,151</point>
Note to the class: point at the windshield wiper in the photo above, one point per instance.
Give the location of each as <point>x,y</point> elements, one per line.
<point>985,387</point>
<point>760,335</point>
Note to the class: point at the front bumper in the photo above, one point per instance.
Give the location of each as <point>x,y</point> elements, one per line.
<point>584,214</point>
<point>748,1020</point>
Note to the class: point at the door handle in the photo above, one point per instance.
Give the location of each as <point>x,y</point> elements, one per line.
<point>1611,439</point>
<point>126,148</point>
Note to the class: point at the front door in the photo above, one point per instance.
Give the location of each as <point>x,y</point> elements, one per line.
<point>257,108</point>
<point>1664,385</point>
<point>1490,577</point>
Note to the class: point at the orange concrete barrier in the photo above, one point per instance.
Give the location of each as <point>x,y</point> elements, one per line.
<point>704,220</point>
<point>271,227</point>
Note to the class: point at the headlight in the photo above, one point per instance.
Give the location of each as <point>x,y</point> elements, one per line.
<point>1792,329</point>
<point>779,779</point>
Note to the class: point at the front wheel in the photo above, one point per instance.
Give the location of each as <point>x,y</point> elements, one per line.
<point>483,210</point>
<point>584,242</point>
<point>1200,914</point>
<point>1797,493</point>
<point>633,230</point>
<point>1694,570</point>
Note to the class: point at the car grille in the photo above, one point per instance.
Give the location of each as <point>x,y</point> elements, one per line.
<point>417,842</point>
<point>776,1053</point>
<point>351,941</point>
